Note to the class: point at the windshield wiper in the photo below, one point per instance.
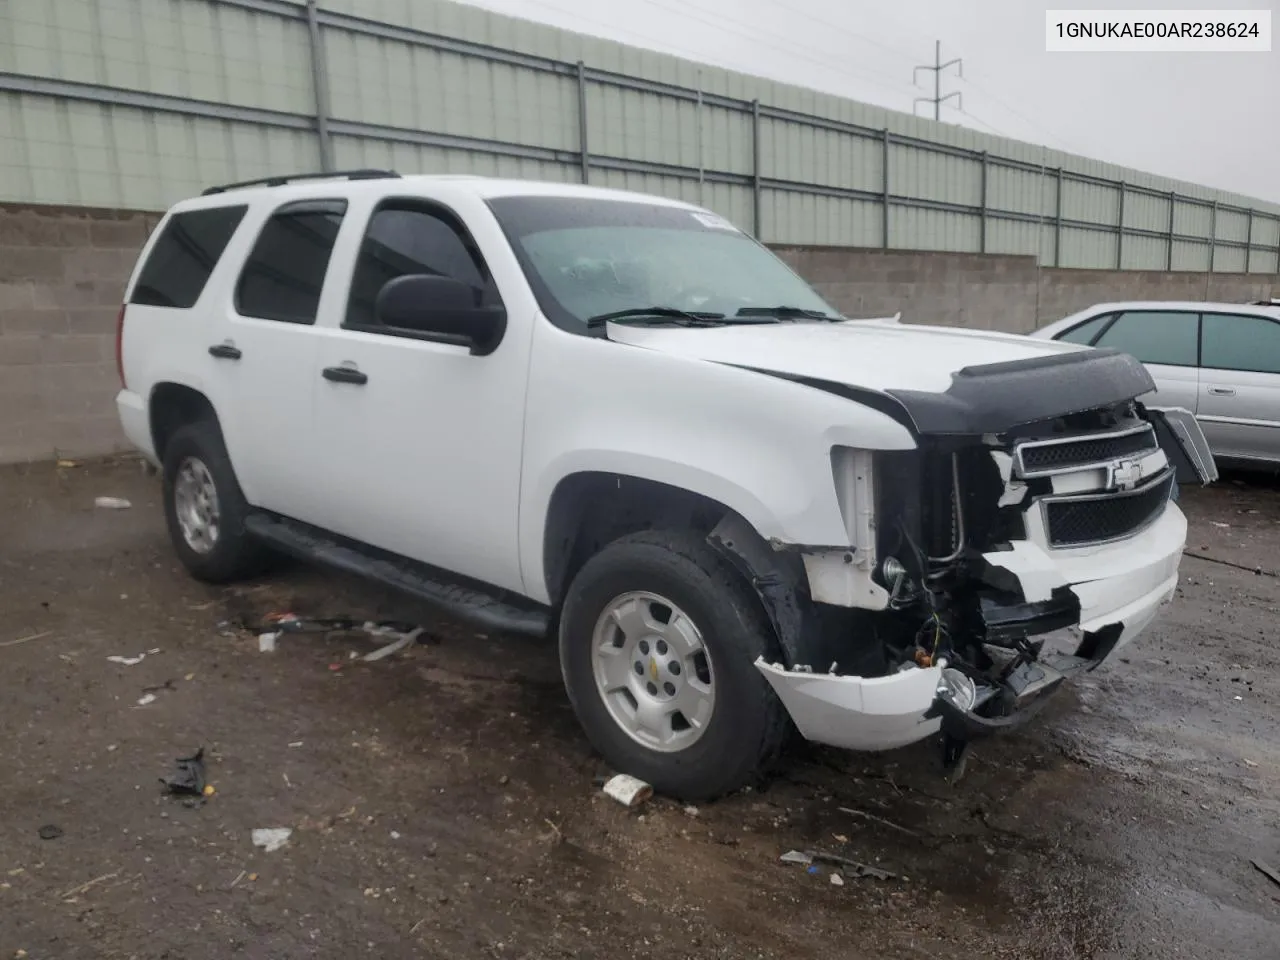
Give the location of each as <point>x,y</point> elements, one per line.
<point>786,313</point>
<point>684,318</point>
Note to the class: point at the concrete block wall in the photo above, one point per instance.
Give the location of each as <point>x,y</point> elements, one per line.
<point>62,277</point>
<point>994,292</point>
<point>63,272</point>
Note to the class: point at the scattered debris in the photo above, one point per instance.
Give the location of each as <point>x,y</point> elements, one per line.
<point>881,820</point>
<point>267,642</point>
<point>1250,763</point>
<point>68,464</point>
<point>156,688</point>
<point>50,831</point>
<point>296,743</point>
<point>127,661</point>
<point>146,699</point>
<point>395,835</point>
<point>76,891</point>
<point>208,790</point>
<point>809,858</point>
<point>27,639</point>
<point>271,839</point>
<point>395,646</point>
<point>189,780</point>
<point>836,879</point>
<point>1221,526</point>
<point>691,811</point>
<point>627,790</point>
<point>1268,872</point>
<point>112,503</point>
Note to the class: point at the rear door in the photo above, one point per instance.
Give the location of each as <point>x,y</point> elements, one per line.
<point>1240,386</point>
<point>1167,343</point>
<point>267,356</point>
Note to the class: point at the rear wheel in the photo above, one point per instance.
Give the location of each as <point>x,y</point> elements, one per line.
<point>658,639</point>
<point>205,509</point>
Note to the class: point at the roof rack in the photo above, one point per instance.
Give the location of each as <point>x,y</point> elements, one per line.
<point>290,178</point>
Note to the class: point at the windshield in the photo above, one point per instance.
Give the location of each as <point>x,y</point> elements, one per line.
<point>588,257</point>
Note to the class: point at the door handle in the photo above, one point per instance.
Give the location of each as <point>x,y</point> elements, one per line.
<point>1223,391</point>
<point>345,375</point>
<point>224,351</point>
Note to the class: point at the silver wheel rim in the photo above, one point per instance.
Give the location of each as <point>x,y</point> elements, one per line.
<point>653,671</point>
<point>195,501</point>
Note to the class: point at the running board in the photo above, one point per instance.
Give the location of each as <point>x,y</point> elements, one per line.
<point>473,604</point>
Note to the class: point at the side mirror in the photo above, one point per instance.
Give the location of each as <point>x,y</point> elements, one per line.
<point>442,308</point>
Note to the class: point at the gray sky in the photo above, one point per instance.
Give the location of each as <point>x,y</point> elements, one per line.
<point>1211,118</point>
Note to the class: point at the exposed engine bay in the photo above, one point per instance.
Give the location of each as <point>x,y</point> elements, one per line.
<point>1007,562</point>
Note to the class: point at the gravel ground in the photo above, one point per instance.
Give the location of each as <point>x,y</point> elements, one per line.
<point>442,802</point>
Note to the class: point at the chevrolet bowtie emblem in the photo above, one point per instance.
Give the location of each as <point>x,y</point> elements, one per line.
<point>1125,474</point>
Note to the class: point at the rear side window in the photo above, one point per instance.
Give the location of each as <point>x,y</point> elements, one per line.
<point>283,276</point>
<point>1236,342</point>
<point>1156,336</point>
<point>1085,332</point>
<point>184,256</point>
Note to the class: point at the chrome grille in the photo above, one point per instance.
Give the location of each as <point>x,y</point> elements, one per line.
<point>1088,519</point>
<point>1038,458</point>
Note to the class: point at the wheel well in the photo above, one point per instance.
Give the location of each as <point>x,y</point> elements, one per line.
<point>173,406</point>
<point>590,510</point>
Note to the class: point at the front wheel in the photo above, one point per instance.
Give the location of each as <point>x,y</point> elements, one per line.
<point>658,639</point>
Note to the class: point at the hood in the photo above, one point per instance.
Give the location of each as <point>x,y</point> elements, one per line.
<point>872,354</point>
<point>935,379</point>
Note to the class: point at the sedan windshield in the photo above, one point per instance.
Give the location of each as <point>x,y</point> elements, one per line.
<point>594,258</point>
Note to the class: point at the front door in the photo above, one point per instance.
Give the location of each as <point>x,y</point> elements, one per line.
<point>420,441</point>
<point>1166,342</point>
<point>1240,386</point>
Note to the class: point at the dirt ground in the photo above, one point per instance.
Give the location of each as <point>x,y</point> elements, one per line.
<point>442,802</point>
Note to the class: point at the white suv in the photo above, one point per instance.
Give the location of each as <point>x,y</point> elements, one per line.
<point>550,407</point>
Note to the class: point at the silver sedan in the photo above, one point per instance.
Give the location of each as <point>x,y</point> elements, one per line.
<point>1221,361</point>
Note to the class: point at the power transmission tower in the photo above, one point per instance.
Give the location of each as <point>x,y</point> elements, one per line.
<point>938,66</point>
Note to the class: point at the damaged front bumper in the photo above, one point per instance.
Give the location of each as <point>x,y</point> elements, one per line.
<point>1085,603</point>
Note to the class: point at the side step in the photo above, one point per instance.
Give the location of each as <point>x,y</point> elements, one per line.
<point>473,604</point>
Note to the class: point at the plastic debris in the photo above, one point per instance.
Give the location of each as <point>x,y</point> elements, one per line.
<point>837,880</point>
<point>189,779</point>
<point>127,661</point>
<point>627,790</point>
<point>809,859</point>
<point>271,839</point>
<point>267,642</point>
<point>112,503</point>
<point>395,646</point>
<point>146,699</point>
<point>68,464</point>
<point>50,831</point>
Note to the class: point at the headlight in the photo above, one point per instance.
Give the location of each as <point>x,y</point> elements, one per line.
<point>955,687</point>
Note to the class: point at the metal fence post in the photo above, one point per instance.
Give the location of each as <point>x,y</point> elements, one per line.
<point>1173,209</point>
<point>585,154</point>
<point>755,167</point>
<point>1248,242</point>
<point>1120,230</point>
<point>884,200</point>
<point>982,223</point>
<point>320,84</point>
<point>1213,236</point>
<point>1057,224</point>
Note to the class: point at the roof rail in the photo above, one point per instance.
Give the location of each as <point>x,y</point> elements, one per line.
<point>280,181</point>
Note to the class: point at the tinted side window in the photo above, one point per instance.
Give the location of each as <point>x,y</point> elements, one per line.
<point>184,256</point>
<point>1155,336</point>
<point>1085,332</point>
<point>405,239</point>
<point>284,274</point>
<point>1234,342</point>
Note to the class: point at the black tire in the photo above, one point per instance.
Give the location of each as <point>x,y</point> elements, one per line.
<point>234,555</point>
<point>748,724</point>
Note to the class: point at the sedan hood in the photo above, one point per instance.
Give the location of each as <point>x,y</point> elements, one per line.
<point>937,380</point>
